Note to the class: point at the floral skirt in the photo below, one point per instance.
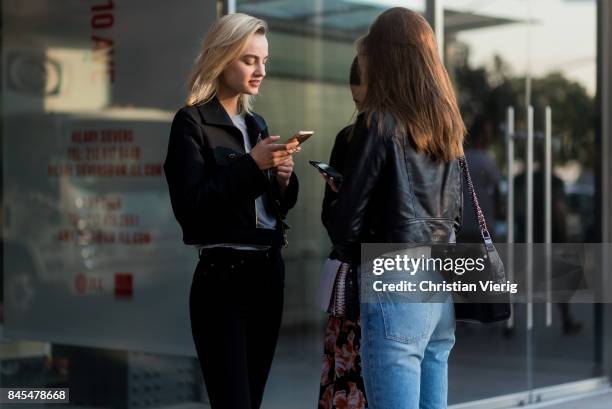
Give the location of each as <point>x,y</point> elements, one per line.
<point>341,382</point>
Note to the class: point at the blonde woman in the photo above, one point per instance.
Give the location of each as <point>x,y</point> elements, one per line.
<point>231,185</point>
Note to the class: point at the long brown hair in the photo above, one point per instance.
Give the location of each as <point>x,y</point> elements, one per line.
<point>405,78</point>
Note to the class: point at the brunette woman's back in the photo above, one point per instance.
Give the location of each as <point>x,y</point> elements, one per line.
<point>392,193</point>
<point>402,185</point>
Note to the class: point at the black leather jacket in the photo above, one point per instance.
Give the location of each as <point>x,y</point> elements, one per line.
<point>392,194</point>
<point>213,182</point>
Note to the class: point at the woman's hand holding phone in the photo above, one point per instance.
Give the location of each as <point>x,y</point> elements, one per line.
<point>283,172</point>
<point>331,182</point>
<point>268,154</point>
<point>332,177</point>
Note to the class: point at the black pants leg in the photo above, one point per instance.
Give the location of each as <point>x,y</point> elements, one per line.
<point>236,304</point>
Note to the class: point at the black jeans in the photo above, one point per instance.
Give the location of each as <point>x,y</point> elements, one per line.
<point>236,304</point>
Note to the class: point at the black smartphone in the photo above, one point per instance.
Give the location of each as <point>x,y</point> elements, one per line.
<point>328,170</point>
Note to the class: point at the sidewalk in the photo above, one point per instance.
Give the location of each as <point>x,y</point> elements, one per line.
<point>601,400</point>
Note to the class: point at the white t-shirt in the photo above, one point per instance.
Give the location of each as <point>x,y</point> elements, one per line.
<point>264,219</point>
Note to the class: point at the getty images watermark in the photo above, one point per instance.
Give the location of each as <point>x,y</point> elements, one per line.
<point>532,273</point>
<point>408,264</point>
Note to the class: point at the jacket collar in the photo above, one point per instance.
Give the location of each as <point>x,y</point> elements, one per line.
<point>213,113</point>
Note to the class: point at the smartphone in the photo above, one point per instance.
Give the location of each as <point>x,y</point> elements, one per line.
<point>301,136</point>
<point>328,170</point>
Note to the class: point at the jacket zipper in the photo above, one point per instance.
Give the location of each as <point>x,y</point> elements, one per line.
<point>255,201</point>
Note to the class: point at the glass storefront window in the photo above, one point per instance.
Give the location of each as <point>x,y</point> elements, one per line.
<point>95,278</point>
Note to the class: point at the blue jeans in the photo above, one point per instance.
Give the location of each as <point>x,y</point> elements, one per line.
<point>404,352</point>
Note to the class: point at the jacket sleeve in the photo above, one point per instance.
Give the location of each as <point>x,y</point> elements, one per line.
<point>364,164</point>
<point>286,201</point>
<point>194,190</point>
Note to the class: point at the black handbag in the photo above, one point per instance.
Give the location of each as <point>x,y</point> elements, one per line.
<point>497,308</point>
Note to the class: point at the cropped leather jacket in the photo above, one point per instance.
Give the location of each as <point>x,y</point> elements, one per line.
<point>213,182</point>
<point>393,194</point>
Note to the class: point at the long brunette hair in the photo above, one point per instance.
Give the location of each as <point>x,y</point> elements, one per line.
<point>401,67</point>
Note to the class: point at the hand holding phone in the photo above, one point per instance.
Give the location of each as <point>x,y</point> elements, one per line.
<point>331,182</point>
<point>327,170</point>
<point>269,154</point>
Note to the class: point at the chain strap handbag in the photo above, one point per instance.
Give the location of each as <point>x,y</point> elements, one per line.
<point>498,306</point>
